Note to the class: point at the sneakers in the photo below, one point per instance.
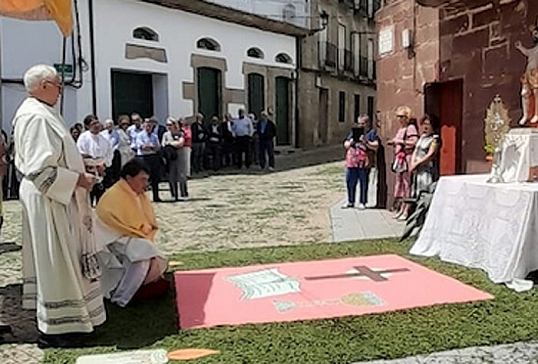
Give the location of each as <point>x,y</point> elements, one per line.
<point>271,169</point>
<point>402,217</point>
<point>348,206</point>
<point>361,206</point>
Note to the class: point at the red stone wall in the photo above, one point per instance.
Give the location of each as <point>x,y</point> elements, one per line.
<point>402,73</point>
<point>474,44</point>
<point>477,45</point>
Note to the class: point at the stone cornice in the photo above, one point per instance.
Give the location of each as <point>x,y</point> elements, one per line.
<point>230,15</point>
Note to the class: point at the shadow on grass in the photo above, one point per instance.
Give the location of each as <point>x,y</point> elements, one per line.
<point>22,322</point>
<point>140,324</point>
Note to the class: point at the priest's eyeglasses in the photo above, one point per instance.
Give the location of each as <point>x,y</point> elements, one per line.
<point>55,85</point>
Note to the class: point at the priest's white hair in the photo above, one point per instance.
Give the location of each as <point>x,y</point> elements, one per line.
<point>36,74</point>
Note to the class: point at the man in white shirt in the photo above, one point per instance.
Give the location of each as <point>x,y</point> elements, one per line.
<point>96,151</point>
<point>243,130</point>
<point>135,129</point>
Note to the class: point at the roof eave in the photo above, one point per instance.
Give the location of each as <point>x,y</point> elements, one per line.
<point>231,15</point>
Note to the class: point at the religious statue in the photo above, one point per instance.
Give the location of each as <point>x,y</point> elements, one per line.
<point>496,125</point>
<point>529,79</point>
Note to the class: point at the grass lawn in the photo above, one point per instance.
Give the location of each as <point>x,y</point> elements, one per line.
<point>508,318</point>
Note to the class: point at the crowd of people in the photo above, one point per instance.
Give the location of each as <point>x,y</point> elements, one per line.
<point>415,161</point>
<point>175,150</point>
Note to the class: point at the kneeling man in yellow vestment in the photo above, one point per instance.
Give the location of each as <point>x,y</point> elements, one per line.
<point>126,229</point>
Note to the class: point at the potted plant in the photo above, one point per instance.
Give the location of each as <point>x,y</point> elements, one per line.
<point>489,148</point>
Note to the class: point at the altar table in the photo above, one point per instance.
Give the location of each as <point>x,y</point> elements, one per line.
<point>480,225</point>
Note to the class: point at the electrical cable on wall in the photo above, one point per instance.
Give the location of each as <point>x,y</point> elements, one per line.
<point>79,64</point>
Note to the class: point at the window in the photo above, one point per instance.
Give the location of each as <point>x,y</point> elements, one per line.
<point>208,44</point>
<point>342,107</point>
<point>255,53</point>
<point>341,46</point>
<point>146,33</point>
<point>283,58</point>
<point>371,9</point>
<point>356,52</point>
<point>322,49</point>
<point>371,63</point>
<point>371,108</point>
<point>357,112</point>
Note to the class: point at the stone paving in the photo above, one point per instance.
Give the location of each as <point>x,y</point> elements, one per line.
<point>355,224</point>
<point>518,353</point>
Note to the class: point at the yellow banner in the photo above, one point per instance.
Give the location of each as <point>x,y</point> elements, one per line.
<point>57,10</point>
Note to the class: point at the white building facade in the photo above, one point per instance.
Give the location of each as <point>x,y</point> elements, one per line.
<point>296,12</point>
<point>150,59</point>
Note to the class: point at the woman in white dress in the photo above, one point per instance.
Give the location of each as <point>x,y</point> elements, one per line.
<point>172,142</point>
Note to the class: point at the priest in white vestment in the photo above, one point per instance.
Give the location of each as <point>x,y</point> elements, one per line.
<point>60,269</point>
<point>125,231</point>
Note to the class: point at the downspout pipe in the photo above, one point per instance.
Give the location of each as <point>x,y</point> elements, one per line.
<point>299,57</point>
<point>92,56</point>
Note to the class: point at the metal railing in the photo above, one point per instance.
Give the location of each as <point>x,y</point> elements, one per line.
<point>328,54</point>
<point>348,60</point>
<point>367,69</point>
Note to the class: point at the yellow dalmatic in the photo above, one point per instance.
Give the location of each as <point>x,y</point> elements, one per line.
<point>127,213</point>
<point>57,10</point>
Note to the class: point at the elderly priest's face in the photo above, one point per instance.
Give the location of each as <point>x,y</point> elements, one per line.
<point>139,183</point>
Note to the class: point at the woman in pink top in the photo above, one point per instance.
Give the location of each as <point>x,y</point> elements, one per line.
<point>404,143</point>
<point>184,155</point>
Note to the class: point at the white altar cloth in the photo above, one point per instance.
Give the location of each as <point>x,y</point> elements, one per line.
<point>519,153</point>
<point>480,225</point>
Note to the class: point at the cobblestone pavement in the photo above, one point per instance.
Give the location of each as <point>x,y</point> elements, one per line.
<point>518,353</point>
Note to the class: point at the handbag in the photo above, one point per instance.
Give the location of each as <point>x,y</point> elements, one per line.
<point>399,164</point>
<point>170,152</point>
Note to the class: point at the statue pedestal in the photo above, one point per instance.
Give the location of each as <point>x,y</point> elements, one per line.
<point>520,155</point>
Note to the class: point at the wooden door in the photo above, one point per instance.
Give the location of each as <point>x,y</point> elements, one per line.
<point>256,94</point>
<point>283,111</point>
<point>209,95</point>
<point>132,92</point>
<point>323,115</point>
<point>446,100</point>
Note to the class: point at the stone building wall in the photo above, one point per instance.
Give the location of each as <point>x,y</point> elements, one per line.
<point>467,40</point>
<point>402,72</point>
<point>315,78</point>
<point>477,45</point>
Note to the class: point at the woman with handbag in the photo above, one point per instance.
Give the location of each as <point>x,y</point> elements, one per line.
<point>404,144</point>
<point>173,140</point>
<point>361,145</point>
<point>184,156</point>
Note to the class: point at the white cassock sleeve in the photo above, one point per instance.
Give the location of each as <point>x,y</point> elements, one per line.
<point>43,149</point>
